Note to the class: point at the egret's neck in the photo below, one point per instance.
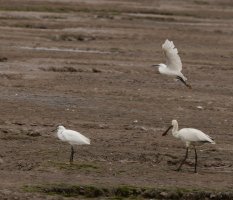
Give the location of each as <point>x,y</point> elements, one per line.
<point>59,133</point>
<point>175,130</point>
<point>60,130</point>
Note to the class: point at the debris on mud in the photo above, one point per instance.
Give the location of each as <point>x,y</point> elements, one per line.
<point>95,70</point>
<point>33,133</point>
<point>60,69</point>
<point>73,37</point>
<point>3,59</point>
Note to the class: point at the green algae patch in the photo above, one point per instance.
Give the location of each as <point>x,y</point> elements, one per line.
<point>128,192</point>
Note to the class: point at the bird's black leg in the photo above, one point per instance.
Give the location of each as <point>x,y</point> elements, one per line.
<point>182,162</point>
<point>72,155</point>
<point>195,170</point>
<point>184,82</point>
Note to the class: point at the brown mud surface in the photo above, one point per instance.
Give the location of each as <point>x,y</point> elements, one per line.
<point>86,65</point>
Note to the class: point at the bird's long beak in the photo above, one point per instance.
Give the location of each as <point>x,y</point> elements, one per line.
<point>154,65</point>
<point>165,133</point>
<point>54,130</point>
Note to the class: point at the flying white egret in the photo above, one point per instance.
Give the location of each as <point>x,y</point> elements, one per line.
<point>191,137</point>
<point>72,137</point>
<point>173,65</point>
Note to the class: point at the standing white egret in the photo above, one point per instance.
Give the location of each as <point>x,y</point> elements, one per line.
<point>191,137</point>
<point>173,64</point>
<point>72,137</point>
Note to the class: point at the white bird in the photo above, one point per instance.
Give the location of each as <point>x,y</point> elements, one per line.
<point>72,137</point>
<point>173,64</point>
<point>191,137</point>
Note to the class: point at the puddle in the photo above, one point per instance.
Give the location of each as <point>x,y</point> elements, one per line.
<point>57,100</point>
<point>65,50</point>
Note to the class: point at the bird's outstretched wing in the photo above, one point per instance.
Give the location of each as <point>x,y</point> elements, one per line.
<point>173,61</point>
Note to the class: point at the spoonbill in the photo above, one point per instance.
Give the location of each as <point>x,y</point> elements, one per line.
<point>191,137</point>
<point>73,138</point>
<point>173,64</point>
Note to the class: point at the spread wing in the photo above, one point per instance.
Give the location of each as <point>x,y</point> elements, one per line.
<point>173,61</point>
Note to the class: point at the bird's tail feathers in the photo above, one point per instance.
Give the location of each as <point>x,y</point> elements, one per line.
<point>212,141</point>
<point>209,140</point>
<point>87,141</point>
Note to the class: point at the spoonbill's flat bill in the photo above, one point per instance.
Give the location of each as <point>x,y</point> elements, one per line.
<point>73,138</point>
<point>191,137</point>
<point>173,66</point>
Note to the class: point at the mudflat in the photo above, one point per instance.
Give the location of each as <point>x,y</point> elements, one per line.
<point>86,65</point>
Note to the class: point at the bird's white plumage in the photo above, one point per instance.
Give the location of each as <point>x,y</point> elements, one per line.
<point>72,137</point>
<point>194,135</point>
<point>173,66</point>
<point>173,60</point>
<point>190,135</point>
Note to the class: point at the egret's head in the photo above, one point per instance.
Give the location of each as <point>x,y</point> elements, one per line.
<point>174,122</point>
<point>60,127</point>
